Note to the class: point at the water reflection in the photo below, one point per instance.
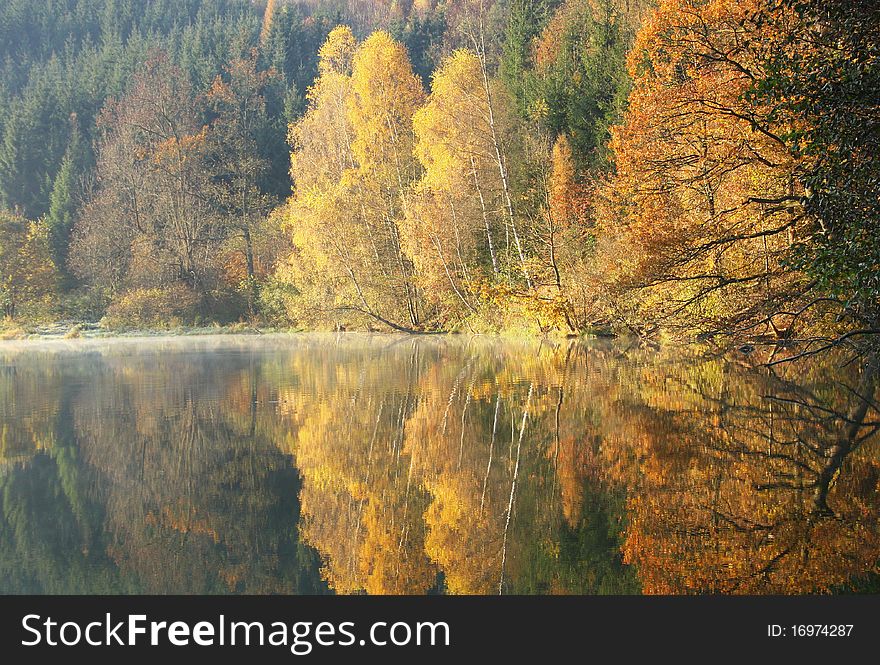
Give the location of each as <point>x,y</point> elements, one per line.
<point>359,464</point>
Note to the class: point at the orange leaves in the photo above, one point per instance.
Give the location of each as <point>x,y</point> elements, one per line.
<point>683,38</point>
<point>564,191</point>
<point>220,91</point>
<point>547,47</point>
<point>692,157</point>
<point>180,148</point>
<point>268,14</point>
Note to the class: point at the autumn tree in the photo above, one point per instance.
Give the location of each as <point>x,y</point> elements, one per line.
<point>27,273</point>
<point>150,222</point>
<point>321,155</point>
<point>268,15</point>
<point>701,217</point>
<point>464,203</point>
<point>237,161</point>
<point>351,164</point>
<point>561,227</point>
<point>452,242</point>
<point>385,93</point>
<point>511,162</point>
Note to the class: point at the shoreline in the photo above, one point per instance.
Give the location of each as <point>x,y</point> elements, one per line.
<point>74,330</point>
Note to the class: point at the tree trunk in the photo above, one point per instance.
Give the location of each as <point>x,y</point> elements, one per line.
<point>496,144</point>
<point>522,429</point>
<point>485,216</point>
<point>251,272</point>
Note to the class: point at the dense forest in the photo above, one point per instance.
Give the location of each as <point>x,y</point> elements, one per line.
<point>681,168</point>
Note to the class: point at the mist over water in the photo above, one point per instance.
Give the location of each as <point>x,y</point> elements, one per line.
<point>410,465</point>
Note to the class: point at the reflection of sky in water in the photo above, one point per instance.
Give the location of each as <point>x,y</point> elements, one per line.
<point>379,464</point>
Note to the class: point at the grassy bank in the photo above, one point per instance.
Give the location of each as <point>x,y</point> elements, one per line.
<point>70,330</point>
<point>14,330</point>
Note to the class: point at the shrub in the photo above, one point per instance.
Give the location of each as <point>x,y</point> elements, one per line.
<point>275,297</point>
<point>74,333</point>
<point>10,331</point>
<point>154,308</point>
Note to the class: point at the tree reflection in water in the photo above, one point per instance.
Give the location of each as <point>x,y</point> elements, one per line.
<point>362,464</point>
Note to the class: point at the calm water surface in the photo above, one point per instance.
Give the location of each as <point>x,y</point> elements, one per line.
<point>352,464</point>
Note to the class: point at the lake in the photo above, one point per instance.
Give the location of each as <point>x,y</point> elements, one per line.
<point>350,463</point>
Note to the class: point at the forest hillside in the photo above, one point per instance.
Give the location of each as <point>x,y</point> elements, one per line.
<point>690,169</point>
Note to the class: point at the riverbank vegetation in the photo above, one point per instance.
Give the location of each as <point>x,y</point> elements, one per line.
<point>684,168</point>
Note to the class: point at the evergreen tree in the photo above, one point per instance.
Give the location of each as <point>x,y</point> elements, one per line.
<point>526,20</point>
<point>64,200</point>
